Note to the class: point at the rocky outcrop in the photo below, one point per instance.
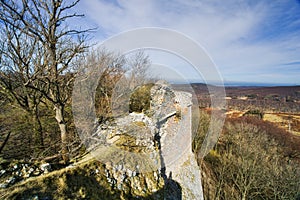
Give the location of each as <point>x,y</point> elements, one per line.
<point>146,152</point>
<point>176,139</point>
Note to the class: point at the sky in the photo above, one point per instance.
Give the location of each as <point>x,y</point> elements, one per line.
<point>248,41</point>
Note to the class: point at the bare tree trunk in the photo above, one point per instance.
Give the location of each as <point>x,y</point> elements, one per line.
<point>244,196</point>
<point>59,116</point>
<point>38,130</point>
<point>5,141</point>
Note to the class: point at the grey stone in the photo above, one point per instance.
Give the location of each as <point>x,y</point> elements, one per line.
<point>3,185</point>
<point>2,172</point>
<point>11,180</point>
<point>46,167</point>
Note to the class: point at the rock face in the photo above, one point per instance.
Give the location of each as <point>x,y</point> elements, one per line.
<point>176,139</point>
<point>174,130</point>
<point>146,153</point>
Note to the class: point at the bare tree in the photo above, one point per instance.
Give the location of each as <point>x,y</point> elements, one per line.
<point>136,75</point>
<point>56,48</point>
<point>91,100</point>
<point>112,69</point>
<point>250,165</point>
<point>138,64</point>
<point>16,61</point>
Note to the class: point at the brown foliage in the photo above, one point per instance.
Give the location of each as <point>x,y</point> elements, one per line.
<point>288,141</point>
<point>248,161</point>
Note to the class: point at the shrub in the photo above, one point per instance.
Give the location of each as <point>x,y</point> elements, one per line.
<point>140,98</point>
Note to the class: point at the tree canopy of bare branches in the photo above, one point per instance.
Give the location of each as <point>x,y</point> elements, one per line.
<point>38,54</point>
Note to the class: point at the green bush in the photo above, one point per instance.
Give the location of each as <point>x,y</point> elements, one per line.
<point>140,98</point>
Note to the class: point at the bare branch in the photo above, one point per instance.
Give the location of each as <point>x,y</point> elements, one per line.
<point>69,6</point>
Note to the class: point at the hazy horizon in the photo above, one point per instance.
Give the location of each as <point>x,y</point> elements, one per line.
<point>237,84</point>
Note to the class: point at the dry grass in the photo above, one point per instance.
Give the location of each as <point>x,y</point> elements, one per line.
<point>140,123</point>
<point>273,118</point>
<point>234,113</point>
<point>282,120</point>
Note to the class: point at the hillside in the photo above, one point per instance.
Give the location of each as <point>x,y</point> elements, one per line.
<point>137,156</point>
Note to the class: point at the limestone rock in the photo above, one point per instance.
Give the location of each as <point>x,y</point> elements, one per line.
<point>46,167</point>
<point>151,151</point>
<point>2,172</point>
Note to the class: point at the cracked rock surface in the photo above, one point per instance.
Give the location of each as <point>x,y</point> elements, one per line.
<point>144,152</point>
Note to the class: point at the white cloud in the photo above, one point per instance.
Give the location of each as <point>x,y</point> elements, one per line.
<point>232,32</point>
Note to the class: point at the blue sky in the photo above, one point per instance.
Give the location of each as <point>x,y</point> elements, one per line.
<point>249,41</point>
